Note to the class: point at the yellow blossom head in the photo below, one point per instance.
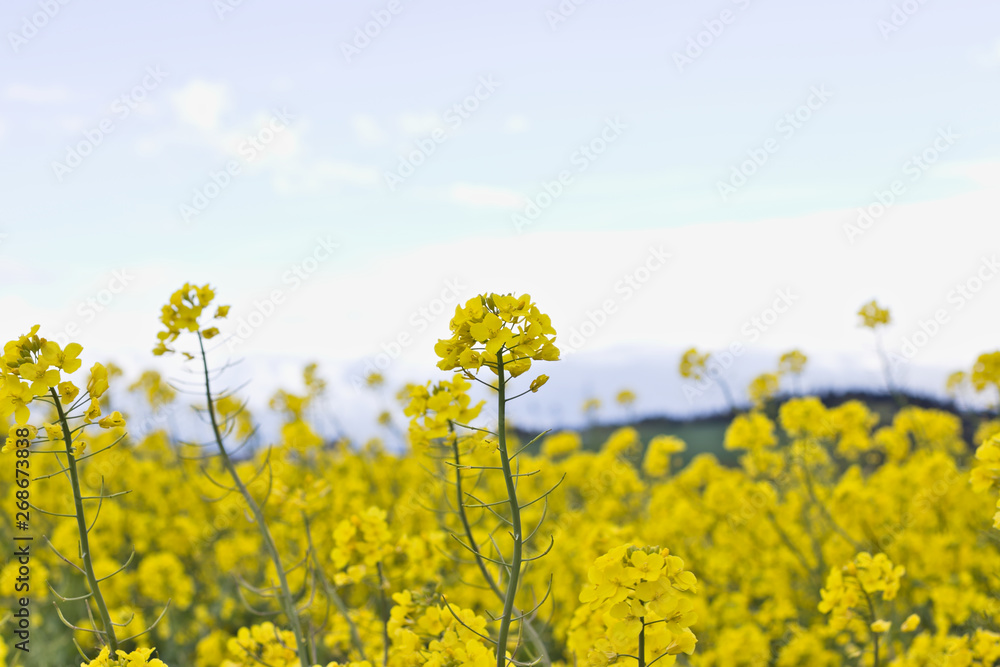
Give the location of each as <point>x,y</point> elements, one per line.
<point>497,330</point>
<point>182,312</point>
<point>872,315</point>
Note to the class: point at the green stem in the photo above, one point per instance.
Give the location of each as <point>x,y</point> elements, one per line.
<point>825,512</point>
<point>788,543</point>
<point>331,593</point>
<point>724,386</point>
<point>515,517</point>
<point>384,612</point>
<point>890,382</point>
<point>642,644</point>
<point>871,613</point>
<point>81,525</point>
<point>258,514</point>
<point>529,627</point>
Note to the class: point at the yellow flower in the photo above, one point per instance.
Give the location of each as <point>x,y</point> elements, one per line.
<point>498,324</point>
<point>762,389</point>
<point>113,420</point>
<point>658,453</point>
<point>693,364</point>
<point>93,411</point>
<point>880,626</point>
<point>98,383</point>
<point>910,624</point>
<point>13,437</point>
<point>537,383</point>
<point>14,398</point>
<point>753,431</point>
<point>793,362</point>
<point>181,313</point>
<point>625,397</point>
<point>41,378</point>
<point>67,392</point>
<point>986,371</point>
<point>54,432</point>
<point>65,359</point>
<point>561,444</point>
<point>873,316</point>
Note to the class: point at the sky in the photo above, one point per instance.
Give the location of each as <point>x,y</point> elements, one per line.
<point>350,171</point>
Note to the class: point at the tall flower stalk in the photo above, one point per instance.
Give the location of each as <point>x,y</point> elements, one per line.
<point>504,334</point>
<point>33,370</point>
<point>183,313</point>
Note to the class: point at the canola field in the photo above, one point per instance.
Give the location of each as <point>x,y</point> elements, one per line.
<point>839,538</point>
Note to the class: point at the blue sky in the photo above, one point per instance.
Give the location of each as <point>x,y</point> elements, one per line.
<point>328,128</point>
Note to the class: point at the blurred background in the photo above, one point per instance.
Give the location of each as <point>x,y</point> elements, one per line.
<point>732,175</point>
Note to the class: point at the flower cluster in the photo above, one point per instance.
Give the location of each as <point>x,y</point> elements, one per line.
<point>36,369</point>
<point>137,658</point>
<point>659,452</point>
<point>503,324</point>
<point>763,388</point>
<point>793,362</point>
<point>361,543</point>
<point>986,475</point>
<point>693,364</point>
<point>31,367</point>
<point>182,312</point>
<point>636,592</point>
<point>262,644</point>
<point>873,316</point>
<point>424,634</point>
<point>434,410</point>
<point>849,590</point>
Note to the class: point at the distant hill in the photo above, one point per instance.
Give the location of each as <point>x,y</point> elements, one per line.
<point>705,434</point>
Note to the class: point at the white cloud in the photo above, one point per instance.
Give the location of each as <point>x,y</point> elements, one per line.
<point>201,104</point>
<point>72,124</point>
<point>516,124</point>
<point>984,173</point>
<point>18,92</point>
<point>296,178</point>
<point>987,57</point>
<point>716,279</point>
<point>368,130</point>
<point>418,124</point>
<point>485,195</point>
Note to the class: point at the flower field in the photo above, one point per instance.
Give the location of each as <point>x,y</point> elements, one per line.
<point>840,538</point>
